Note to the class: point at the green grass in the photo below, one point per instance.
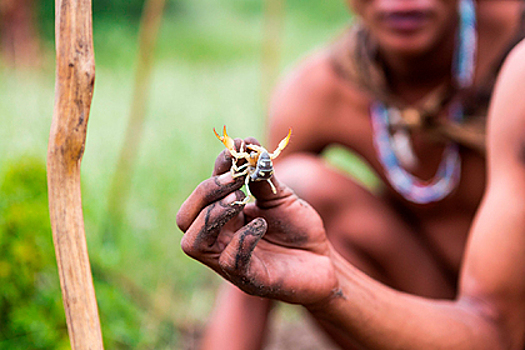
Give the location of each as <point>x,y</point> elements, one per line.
<point>207,74</point>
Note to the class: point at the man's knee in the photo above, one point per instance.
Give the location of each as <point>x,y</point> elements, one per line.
<point>306,175</point>
<point>325,188</point>
<point>357,222</point>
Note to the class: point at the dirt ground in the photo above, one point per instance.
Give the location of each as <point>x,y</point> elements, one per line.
<point>291,329</point>
<point>298,334</point>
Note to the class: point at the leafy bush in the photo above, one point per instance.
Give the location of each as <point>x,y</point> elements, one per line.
<point>31,310</point>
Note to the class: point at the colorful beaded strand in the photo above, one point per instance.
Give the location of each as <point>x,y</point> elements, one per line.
<point>448,173</point>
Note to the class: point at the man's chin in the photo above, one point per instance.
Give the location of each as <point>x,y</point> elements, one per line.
<point>409,45</point>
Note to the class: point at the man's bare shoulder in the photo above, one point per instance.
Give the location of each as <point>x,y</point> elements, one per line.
<point>314,90</point>
<point>315,77</point>
<point>510,86</point>
<point>506,128</point>
<point>314,100</point>
<point>516,60</point>
<point>498,13</point>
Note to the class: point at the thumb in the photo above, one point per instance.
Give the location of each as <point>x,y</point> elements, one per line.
<point>269,195</point>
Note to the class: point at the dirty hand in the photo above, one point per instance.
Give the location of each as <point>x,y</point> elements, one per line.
<point>275,247</point>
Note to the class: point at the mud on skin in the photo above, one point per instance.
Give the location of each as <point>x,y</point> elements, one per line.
<point>252,287</point>
<point>289,234</point>
<point>213,222</point>
<point>223,163</point>
<point>223,189</point>
<point>240,275</point>
<point>244,254</point>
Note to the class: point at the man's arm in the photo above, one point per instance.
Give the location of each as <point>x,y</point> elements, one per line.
<point>277,248</point>
<point>489,312</point>
<point>494,266</point>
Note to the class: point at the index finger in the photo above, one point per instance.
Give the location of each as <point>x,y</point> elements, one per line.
<point>208,191</point>
<point>223,162</point>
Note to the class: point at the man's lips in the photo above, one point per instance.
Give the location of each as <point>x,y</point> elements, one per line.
<point>404,21</point>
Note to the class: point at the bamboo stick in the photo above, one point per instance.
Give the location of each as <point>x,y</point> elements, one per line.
<point>75,76</point>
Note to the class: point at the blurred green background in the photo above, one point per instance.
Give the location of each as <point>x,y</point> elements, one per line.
<point>207,73</point>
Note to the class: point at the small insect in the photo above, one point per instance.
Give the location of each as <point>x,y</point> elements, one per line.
<point>258,166</point>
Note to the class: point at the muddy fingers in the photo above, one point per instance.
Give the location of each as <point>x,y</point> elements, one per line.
<point>235,258</point>
<point>202,240</point>
<point>206,192</point>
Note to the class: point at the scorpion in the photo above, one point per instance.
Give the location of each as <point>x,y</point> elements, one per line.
<point>258,166</point>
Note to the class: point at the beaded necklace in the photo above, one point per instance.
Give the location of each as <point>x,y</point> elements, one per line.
<point>448,173</point>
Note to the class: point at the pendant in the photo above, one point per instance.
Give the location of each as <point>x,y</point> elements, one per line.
<point>401,141</point>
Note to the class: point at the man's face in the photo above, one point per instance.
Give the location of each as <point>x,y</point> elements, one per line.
<point>407,26</point>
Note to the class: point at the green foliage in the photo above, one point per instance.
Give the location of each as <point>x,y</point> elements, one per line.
<point>124,11</point>
<point>352,165</point>
<point>207,73</point>
<point>129,9</point>
<point>31,311</point>
<point>248,8</point>
<point>319,12</point>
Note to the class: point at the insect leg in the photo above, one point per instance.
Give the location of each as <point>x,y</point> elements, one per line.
<point>237,171</point>
<point>255,148</point>
<point>248,193</point>
<point>274,190</point>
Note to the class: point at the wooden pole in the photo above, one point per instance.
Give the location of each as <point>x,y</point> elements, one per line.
<point>119,190</point>
<point>75,76</point>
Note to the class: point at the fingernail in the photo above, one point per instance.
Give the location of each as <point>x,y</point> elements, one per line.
<point>224,179</point>
<point>259,224</point>
<point>232,197</point>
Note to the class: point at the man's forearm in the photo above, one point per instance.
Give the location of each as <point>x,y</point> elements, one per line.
<point>378,317</point>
